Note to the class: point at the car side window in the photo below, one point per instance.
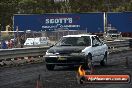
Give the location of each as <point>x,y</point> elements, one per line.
<point>96,41</point>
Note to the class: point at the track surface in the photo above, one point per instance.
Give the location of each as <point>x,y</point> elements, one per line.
<point>63,77</point>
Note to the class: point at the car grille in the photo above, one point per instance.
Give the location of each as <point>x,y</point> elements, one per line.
<point>67,60</point>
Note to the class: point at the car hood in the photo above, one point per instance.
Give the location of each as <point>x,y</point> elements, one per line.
<point>66,49</point>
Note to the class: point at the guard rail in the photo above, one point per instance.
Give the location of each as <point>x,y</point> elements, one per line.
<point>40,51</point>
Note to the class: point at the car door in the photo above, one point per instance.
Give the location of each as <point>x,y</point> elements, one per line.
<point>100,47</point>
<point>96,49</point>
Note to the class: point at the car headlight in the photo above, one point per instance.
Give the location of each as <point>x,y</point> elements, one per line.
<point>48,53</point>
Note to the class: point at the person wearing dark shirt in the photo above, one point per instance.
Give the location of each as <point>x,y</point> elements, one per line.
<point>4,45</point>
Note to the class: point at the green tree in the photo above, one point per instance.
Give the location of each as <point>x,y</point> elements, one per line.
<point>10,7</point>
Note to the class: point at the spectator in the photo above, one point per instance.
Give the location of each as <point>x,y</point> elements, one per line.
<point>10,44</point>
<point>15,42</point>
<point>8,27</point>
<point>22,41</point>
<point>4,45</point>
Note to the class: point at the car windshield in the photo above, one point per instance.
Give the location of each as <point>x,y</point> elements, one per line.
<point>74,41</point>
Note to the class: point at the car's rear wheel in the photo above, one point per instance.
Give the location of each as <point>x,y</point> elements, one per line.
<point>104,61</point>
<point>50,66</point>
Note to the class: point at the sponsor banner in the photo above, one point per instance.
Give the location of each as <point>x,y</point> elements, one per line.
<point>91,22</point>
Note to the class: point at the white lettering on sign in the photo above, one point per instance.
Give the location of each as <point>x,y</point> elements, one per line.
<point>62,26</point>
<point>58,20</point>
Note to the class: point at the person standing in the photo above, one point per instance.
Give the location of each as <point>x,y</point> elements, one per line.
<point>22,41</point>
<point>4,45</point>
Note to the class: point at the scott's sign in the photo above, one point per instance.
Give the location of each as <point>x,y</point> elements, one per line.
<point>58,20</point>
<point>92,22</point>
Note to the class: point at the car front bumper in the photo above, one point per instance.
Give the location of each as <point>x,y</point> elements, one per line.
<point>64,60</point>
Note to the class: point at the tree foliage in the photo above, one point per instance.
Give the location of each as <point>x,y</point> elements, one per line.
<point>10,7</point>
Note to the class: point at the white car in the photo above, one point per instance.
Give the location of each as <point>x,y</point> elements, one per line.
<point>37,41</point>
<point>112,34</point>
<point>75,50</point>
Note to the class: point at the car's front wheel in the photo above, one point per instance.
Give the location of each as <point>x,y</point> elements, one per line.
<point>88,62</point>
<point>50,66</point>
<point>104,61</point>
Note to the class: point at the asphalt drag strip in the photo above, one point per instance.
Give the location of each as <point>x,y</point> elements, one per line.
<point>26,76</point>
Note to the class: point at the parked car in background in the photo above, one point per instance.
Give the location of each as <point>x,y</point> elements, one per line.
<point>37,41</point>
<point>112,34</point>
<point>83,49</point>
